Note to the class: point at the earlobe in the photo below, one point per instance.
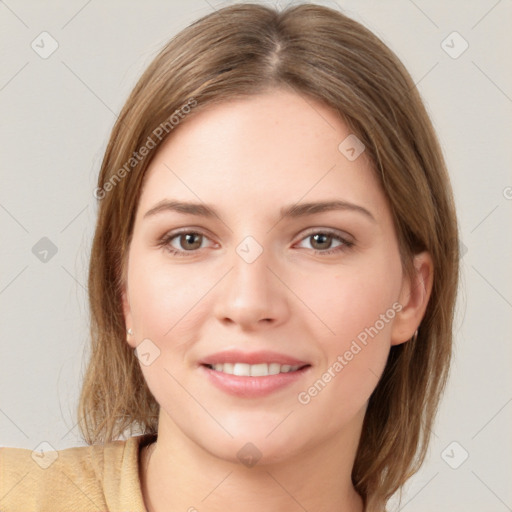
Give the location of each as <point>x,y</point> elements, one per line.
<point>414,298</point>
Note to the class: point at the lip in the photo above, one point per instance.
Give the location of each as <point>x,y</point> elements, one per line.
<point>262,356</point>
<point>251,387</point>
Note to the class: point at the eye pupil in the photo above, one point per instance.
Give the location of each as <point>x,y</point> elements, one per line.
<point>189,240</point>
<point>321,238</point>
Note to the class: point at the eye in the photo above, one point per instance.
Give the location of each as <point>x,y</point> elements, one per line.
<point>322,240</point>
<point>181,243</point>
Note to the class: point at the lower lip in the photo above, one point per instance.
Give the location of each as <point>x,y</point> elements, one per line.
<point>252,387</point>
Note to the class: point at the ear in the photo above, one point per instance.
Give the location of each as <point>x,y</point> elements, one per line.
<point>414,297</point>
<point>128,319</point>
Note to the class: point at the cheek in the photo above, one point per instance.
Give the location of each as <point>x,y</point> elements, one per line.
<point>166,302</point>
<point>347,301</point>
<point>168,305</point>
<point>356,308</point>
<point>164,297</point>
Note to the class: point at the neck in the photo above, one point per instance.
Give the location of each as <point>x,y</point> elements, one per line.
<point>179,475</point>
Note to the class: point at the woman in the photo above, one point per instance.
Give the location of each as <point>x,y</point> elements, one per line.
<point>272,280</point>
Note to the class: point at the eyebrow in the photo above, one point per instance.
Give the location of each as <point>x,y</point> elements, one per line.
<point>290,211</point>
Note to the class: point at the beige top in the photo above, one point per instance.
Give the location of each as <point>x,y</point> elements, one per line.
<point>82,479</point>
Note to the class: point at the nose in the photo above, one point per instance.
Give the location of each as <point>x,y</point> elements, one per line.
<point>253,295</point>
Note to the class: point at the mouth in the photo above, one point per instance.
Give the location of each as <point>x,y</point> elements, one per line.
<point>252,374</point>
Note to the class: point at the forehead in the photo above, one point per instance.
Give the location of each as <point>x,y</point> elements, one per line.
<point>279,147</point>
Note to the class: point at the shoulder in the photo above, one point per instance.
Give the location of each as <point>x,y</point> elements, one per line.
<point>86,478</point>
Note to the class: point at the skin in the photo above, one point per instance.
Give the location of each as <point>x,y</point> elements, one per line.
<point>248,158</point>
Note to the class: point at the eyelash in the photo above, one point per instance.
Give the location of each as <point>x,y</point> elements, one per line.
<point>165,241</point>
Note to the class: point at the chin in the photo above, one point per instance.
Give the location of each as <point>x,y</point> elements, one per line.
<point>256,438</point>
<point>251,450</point>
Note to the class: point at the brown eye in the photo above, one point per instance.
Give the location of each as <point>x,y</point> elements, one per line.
<point>184,243</point>
<point>190,241</point>
<point>321,241</point>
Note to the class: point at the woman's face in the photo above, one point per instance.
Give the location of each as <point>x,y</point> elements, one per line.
<point>318,288</point>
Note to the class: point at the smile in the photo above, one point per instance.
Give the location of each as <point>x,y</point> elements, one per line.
<point>252,374</point>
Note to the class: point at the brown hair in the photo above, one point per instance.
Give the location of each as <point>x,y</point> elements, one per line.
<point>321,54</point>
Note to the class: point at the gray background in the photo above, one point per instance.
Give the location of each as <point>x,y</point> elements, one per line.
<point>57,114</point>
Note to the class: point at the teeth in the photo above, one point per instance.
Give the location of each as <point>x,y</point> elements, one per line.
<point>253,370</point>
<point>259,370</point>
<point>241,369</point>
<point>274,368</point>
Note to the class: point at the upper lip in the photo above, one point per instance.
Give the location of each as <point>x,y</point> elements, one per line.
<point>263,356</point>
